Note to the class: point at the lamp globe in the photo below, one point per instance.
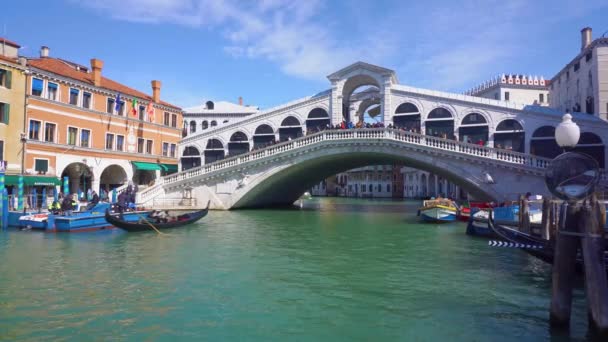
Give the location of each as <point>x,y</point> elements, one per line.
<point>567,132</point>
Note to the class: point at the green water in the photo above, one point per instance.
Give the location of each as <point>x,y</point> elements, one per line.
<point>337,269</point>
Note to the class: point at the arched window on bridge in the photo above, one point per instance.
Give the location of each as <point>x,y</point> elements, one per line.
<point>317,120</point>
<point>238,144</point>
<point>205,125</point>
<point>191,157</point>
<point>213,123</point>
<point>407,116</point>
<point>510,135</point>
<point>473,129</point>
<point>290,128</point>
<point>263,136</point>
<point>192,126</point>
<point>592,145</point>
<point>214,151</point>
<point>440,123</point>
<point>543,142</point>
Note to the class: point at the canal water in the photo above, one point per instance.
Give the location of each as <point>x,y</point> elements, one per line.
<point>336,269</point>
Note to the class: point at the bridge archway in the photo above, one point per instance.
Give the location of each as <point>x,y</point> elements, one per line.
<point>317,120</point>
<point>510,135</point>
<point>238,144</point>
<point>112,177</point>
<point>592,145</point>
<point>440,123</point>
<point>290,128</point>
<point>192,126</point>
<point>407,116</point>
<point>214,151</point>
<point>191,158</point>
<point>79,176</point>
<point>286,183</point>
<point>473,129</point>
<point>357,84</point>
<point>543,142</point>
<point>263,135</point>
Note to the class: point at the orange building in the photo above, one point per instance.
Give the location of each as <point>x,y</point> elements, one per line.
<point>95,131</point>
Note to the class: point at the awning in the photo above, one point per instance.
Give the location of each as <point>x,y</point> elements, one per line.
<point>32,180</point>
<point>146,166</point>
<point>171,168</point>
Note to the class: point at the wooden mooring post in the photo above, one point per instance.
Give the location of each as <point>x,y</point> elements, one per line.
<point>564,264</point>
<point>524,215</point>
<point>596,283</point>
<point>546,220</point>
<point>580,226</point>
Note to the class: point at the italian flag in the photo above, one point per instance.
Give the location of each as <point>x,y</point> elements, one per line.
<point>134,107</point>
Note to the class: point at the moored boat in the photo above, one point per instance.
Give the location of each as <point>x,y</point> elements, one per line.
<point>464,213</point>
<point>438,210</point>
<point>149,223</point>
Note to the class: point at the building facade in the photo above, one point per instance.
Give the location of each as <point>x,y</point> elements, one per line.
<point>97,132</point>
<point>533,90</point>
<point>12,100</point>
<point>582,85</point>
<point>210,116</point>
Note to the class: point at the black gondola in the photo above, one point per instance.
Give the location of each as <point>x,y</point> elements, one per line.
<point>142,225</point>
<point>540,248</point>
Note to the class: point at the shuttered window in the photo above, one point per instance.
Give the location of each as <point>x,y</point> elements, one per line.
<point>5,109</point>
<point>5,78</point>
<point>41,165</point>
<point>37,85</point>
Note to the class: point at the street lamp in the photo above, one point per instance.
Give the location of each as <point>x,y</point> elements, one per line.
<point>567,132</point>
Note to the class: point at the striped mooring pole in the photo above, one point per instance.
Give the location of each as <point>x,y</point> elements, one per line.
<point>66,185</point>
<point>3,219</point>
<point>20,193</point>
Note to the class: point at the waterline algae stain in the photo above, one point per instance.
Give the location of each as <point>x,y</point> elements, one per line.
<point>337,269</point>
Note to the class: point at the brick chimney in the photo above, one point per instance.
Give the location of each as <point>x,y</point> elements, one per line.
<point>585,37</point>
<point>156,91</point>
<point>96,66</point>
<point>240,100</point>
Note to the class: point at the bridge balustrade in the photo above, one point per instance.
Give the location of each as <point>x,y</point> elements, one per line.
<point>348,134</point>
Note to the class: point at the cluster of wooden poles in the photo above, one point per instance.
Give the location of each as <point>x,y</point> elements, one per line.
<point>573,227</point>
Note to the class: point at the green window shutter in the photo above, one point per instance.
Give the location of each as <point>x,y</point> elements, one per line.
<point>7,111</point>
<point>41,165</point>
<point>9,77</point>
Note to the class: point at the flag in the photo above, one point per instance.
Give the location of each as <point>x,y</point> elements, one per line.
<point>150,112</point>
<point>117,104</point>
<point>134,107</point>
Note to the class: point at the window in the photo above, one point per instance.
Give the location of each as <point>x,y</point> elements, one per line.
<point>149,146</point>
<point>5,78</point>
<point>166,119</point>
<point>121,108</point>
<point>496,97</point>
<point>172,153</point>
<point>140,145</point>
<point>577,66</point>
<point>86,100</point>
<point>34,133</point>
<point>205,124</point>
<point>37,85</point>
<point>74,96</point>
<point>588,56</point>
<point>120,142</point>
<point>142,113</point>
<point>213,123</point>
<point>567,75</point>
<point>379,188</point>
<point>85,137</point>
<point>41,166</point>
<point>49,132</point>
<point>5,110</point>
<point>165,149</point>
<point>110,106</point>
<point>388,188</point>
<point>51,91</point>
<point>109,141</point>
<point>371,189</point>
<point>72,135</point>
<point>507,96</point>
<point>541,98</point>
<point>174,120</point>
<point>2,150</point>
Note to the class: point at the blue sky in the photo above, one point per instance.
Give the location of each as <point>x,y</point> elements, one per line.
<point>273,51</point>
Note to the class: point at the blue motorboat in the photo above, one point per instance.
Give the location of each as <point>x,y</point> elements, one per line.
<point>79,221</point>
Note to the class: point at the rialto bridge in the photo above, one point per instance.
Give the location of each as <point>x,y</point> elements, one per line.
<point>273,156</point>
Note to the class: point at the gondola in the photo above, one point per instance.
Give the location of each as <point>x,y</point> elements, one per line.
<point>142,225</point>
<point>537,247</point>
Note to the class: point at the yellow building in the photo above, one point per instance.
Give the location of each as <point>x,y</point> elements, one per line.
<point>12,103</point>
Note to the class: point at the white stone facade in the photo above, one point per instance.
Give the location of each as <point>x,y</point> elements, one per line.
<point>582,85</point>
<point>531,90</point>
